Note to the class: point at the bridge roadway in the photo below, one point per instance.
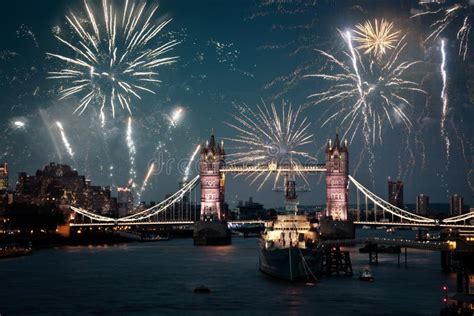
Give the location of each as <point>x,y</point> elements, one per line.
<point>179,222</point>
<point>184,222</point>
<point>401,224</point>
<point>273,167</point>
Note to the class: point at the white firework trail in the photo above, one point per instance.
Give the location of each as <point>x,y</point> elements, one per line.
<point>444,99</point>
<point>66,143</point>
<point>131,153</point>
<point>187,171</point>
<point>348,39</point>
<point>354,65</point>
<point>113,55</point>
<point>150,171</point>
<point>267,137</point>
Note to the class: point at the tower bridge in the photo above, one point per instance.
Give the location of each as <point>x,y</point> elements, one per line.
<point>211,218</point>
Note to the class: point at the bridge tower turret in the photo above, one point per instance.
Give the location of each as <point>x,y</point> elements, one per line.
<point>337,170</point>
<point>212,180</point>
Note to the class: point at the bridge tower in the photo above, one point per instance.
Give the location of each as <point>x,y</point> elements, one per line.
<point>212,228</point>
<point>337,169</point>
<point>212,180</point>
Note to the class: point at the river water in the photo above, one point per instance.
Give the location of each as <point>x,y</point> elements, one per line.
<point>158,278</point>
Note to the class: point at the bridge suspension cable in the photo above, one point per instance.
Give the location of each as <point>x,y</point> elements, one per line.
<point>398,212</point>
<point>92,216</point>
<point>145,214</point>
<point>163,205</point>
<point>459,218</point>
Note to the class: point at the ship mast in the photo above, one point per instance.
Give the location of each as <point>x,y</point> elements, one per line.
<point>291,198</point>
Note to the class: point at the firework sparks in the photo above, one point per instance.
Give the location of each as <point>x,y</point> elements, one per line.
<point>114,58</point>
<point>444,99</point>
<point>267,137</point>
<point>66,143</point>
<point>377,93</point>
<point>376,38</point>
<point>460,15</point>
<point>187,171</point>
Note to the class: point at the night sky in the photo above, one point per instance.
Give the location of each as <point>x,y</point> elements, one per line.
<point>233,52</point>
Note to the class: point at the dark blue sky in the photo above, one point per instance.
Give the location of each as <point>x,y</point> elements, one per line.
<point>231,52</point>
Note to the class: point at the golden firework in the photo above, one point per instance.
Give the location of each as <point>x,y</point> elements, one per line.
<point>375,38</point>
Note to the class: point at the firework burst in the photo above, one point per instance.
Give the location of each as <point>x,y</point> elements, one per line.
<point>112,57</point>
<point>367,94</point>
<point>269,137</point>
<point>459,15</point>
<point>376,38</point>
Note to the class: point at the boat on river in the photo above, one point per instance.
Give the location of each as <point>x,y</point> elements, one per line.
<point>289,248</point>
<point>366,275</point>
<point>12,251</point>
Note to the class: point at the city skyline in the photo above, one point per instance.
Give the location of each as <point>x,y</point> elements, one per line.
<point>101,200</point>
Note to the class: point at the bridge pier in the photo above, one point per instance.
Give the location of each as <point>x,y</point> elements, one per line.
<point>337,262</point>
<point>406,258</point>
<point>446,261</point>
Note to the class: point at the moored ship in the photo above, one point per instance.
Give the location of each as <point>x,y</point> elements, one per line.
<point>289,248</point>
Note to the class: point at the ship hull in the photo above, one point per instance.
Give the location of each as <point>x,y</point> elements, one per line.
<point>288,263</point>
<point>211,233</point>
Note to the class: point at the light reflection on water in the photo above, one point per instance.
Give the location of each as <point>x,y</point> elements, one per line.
<point>157,278</point>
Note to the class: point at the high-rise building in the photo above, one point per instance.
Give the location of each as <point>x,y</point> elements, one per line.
<point>395,193</point>
<point>422,204</point>
<point>456,205</point>
<point>4,177</point>
<point>124,201</point>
